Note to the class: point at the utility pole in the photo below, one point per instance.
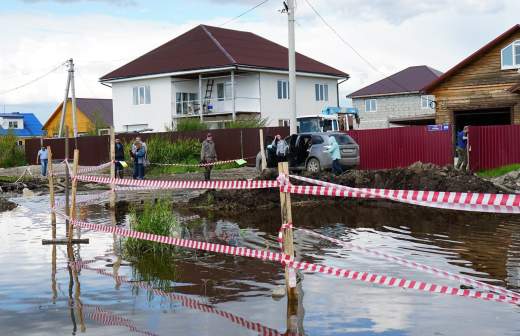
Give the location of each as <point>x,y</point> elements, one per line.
<point>292,67</point>
<point>69,86</point>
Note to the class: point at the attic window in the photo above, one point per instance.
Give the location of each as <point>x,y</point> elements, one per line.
<point>511,56</point>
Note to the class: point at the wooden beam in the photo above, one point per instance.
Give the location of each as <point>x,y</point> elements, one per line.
<point>72,212</point>
<point>112,167</point>
<point>64,241</point>
<point>50,178</point>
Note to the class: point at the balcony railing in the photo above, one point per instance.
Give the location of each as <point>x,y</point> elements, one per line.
<point>216,106</point>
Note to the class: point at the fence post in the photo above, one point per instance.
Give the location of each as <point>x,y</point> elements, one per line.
<point>262,149</point>
<point>112,167</point>
<point>72,212</point>
<point>67,181</point>
<point>50,177</point>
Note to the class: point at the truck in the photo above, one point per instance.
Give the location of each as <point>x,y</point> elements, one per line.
<point>331,119</point>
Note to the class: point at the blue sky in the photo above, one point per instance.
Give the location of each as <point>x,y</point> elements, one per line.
<point>102,35</point>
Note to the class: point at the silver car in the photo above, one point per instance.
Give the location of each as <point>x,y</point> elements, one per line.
<point>308,151</point>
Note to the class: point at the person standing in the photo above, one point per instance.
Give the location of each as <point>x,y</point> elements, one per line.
<point>138,153</point>
<point>120,156</point>
<point>461,149</point>
<point>335,154</point>
<point>281,148</point>
<point>42,158</point>
<point>208,154</point>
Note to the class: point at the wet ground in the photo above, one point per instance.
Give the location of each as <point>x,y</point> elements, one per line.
<point>208,294</point>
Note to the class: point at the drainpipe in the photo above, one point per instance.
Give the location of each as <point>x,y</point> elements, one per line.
<point>337,89</point>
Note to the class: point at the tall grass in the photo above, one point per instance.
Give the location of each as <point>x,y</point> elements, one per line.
<point>156,218</point>
<point>190,124</point>
<point>11,154</point>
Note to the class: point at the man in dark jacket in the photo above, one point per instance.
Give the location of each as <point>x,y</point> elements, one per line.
<point>208,154</point>
<point>120,156</point>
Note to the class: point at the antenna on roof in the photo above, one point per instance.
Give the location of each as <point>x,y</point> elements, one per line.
<point>285,8</point>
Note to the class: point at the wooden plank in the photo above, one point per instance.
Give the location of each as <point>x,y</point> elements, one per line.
<point>50,178</point>
<point>64,241</point>
<point>72,212</point>
<point>112,167</point>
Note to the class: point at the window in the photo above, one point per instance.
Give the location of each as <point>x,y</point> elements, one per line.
<point>283,89</point>
<point>427,102</point>
<point>370,105</point>
<point>284,122</point>
<point>185,102</point>
<point>321,92</point>
<point>511,56</point>
<point>13,124</point>
<point>141,95</point>
<point>224,91</point>
<point>317,139</point>
<point>343,139</point>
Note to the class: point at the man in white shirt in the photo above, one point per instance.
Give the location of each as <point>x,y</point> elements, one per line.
<point>42,158</point>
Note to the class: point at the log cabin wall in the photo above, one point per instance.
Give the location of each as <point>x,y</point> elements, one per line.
<point>481,84</point>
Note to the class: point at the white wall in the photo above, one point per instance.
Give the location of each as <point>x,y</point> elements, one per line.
<point>5,122</point>
<point>157,114</point>
<point>306,104</point>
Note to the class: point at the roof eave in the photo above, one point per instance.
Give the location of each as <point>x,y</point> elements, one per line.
<point>383,94</point>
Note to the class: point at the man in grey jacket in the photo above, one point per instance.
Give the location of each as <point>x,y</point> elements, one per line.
<point>208,154</point>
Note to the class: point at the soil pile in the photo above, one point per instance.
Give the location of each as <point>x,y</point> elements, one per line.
<point>510,180</point>
<point>418,176</point>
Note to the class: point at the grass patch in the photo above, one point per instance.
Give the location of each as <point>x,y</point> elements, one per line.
<point>11,155</point>
<point>499,171</point>
<point>156,218</point>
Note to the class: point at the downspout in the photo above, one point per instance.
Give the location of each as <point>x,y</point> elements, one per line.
<point>337,89</point>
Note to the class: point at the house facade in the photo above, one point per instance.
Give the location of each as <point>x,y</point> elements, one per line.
<point>92,115</point>
<point>397,100</point>
<point>24,125</point>
<point>217,75</point>
<point>484,88</point>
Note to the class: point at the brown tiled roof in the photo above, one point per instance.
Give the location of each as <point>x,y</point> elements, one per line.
<point>205,47</point>
<point>412,79</point>
<point>472,57</point>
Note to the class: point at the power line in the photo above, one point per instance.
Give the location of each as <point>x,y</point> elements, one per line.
<point>354,49</point>
<point>244,13</point>
<point>33,80</point>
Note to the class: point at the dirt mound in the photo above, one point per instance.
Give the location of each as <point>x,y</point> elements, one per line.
<point>417,176</point>
<point>510,180</point>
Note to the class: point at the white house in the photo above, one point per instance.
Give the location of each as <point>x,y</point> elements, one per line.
<point>230,74</point>
<point>397,99</point>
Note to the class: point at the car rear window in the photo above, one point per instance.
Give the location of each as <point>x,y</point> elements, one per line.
<point>316,139</point>
<point>343,139</point>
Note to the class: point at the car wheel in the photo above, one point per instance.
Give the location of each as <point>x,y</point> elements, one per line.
<point>313,166</point>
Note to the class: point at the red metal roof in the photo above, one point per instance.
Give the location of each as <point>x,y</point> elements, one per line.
<point>205,47</point>
<point>412,79</point>
<point>472,57</point>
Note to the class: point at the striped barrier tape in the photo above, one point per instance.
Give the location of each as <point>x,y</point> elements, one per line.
<point>216,163</point>
<point>299,265</point>
<point>418,266</point>
<point>176,184</point>
<point>184,300</point>
<point>95,168</point>
<point>107,318</point>
<point>495,203</point>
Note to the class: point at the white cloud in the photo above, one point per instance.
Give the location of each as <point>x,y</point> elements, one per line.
<point>421,33</point>
<point>110,2</point>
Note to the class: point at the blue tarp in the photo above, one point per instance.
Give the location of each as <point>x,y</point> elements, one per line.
<point>32,126</point>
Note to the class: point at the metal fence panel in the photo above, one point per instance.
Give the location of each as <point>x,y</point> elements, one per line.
<point>493,146</point>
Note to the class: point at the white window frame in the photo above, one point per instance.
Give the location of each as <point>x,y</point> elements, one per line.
<point>430,102</point>
<point>515,56</point>
<point>141,95</point>
<point>321,92</point>
<point>13,124</point>
<point>284,122</point>
<point>226,91</point>
<point>282,89</point>
<point>185,102</point>
<point>370,109</point>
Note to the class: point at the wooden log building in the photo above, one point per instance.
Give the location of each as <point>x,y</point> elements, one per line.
<point>483,89</point>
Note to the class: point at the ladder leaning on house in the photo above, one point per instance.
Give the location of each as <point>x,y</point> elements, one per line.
<point>207,96</point>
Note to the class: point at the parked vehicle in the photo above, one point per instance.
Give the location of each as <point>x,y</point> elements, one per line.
<point>307,151</point>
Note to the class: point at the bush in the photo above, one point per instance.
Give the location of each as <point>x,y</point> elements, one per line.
<point>11,154</point>
<point>156,218</point>
<point>190,124</point>
<point>256,122</point>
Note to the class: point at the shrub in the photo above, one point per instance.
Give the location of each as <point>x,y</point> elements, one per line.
<point>11,154</point>
<point>190,124</point>
<point>256,122</point>
<point>156,218</point>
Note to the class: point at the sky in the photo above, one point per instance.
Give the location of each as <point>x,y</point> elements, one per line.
<point>101,35</point>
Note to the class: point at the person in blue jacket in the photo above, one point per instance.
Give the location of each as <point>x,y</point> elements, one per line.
<point>139,155</point>
<point>335,154</point>
<point>462,152</point>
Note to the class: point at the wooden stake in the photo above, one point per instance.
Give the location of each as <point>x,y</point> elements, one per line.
<point>72,212</point>
<point>67,181</point>
<point>112,167</point>
<point>50,177</point>
<point>262,149</point>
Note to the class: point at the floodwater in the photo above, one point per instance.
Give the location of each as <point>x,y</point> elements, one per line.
<point>202,293</point>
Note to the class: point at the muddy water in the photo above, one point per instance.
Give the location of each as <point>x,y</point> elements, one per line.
<point>211,292</point>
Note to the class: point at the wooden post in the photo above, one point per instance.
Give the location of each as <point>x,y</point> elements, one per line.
<point>112,167</point>
<point>67,181</point>
<point>72,212</point>
<point>50,177</point>
<point>262,149</point>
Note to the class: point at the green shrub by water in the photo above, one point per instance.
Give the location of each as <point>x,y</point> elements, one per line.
<point>190,124</point>
<point>11,154</point>
<point>156,218</point>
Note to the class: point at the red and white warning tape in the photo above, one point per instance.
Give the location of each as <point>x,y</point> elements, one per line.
<point>185,301</point>
<point>216,163</point>
<point>93,169</point>
<point>411,264</point>
<point>496,203</point>
<point>105,317</point>
<point>175,184</point>
<point>301,265</point>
